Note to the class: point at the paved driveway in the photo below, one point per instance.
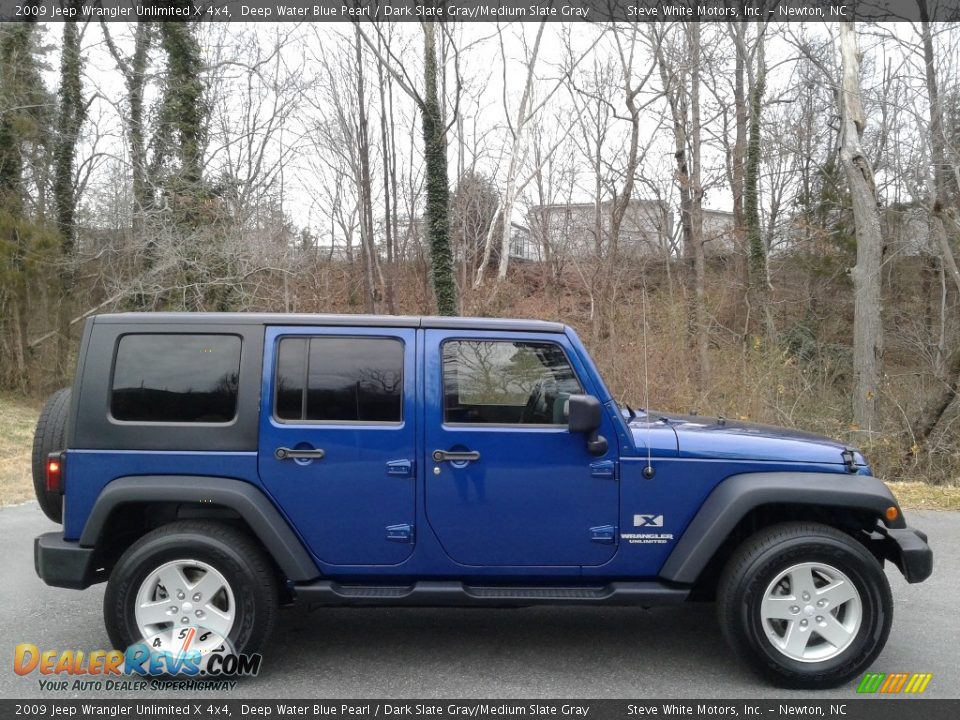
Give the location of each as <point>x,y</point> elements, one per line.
<point>471,653</point>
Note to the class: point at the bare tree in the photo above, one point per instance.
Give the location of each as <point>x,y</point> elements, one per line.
<point>518,132</point>
<point>370,263</point>
<point>71,113</point>
<point>434,125</point>
<point>941,215</point>
<point>867,328</point>
<point>134,71</point>
<point>680,77</point>
<point>389,153</point>
<point>519,127</point>
<point>24,128</point>
<point>758,294</point>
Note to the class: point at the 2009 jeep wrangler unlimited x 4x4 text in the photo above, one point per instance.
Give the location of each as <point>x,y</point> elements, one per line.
<point>211,467</point>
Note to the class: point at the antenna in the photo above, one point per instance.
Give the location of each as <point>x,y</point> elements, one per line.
<point>648,471</point>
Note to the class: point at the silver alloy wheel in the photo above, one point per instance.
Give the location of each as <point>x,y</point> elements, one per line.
<point>183,595</point>
<point>811,612</point>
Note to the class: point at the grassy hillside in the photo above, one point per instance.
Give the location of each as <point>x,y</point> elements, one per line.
<point>17,420</point>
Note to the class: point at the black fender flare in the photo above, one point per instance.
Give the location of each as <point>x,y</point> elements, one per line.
<point>248,501</point>
<point>733,498</point>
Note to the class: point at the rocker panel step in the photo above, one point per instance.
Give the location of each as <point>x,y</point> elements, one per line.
<point>433,593</point>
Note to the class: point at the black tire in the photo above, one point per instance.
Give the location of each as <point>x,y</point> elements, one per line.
<point>758,562</point>
<point>49,437</point>
<point>237,556</point>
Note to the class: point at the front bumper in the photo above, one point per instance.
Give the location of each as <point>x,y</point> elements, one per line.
<point>906,548</point>
<point>62,563</point>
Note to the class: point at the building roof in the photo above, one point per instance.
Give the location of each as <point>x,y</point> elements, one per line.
<point>634,203</point>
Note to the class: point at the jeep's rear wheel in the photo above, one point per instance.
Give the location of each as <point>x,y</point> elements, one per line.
<point>48,437</point>
<point>192,585</point>
<point>805,604</point>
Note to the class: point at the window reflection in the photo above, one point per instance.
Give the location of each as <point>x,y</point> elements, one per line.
<point>506,382</point>
<point>346,379</point>
<point>176,378</point>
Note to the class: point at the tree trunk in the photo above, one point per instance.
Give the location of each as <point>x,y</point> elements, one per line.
<point>438,191</point>
<point>183,107</point>
<point>867,328</point>
<point>136,82</point>
<point>516,153</point>
<point>941,168</point>
<point>759,281</point>
<point>621,200</point>
<point>935,410</point>
<point>691,266</point>
<point>739,154</point>
<point>21,120</point>
<point>696,218</point>
<point>134,71</point>
<point>389,165</point>
<point>938,153</point>
<point>366,202</point>
<point>71,114</point>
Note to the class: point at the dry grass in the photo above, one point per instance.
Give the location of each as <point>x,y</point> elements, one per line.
<point>17,420</point>
<point>920,496</point>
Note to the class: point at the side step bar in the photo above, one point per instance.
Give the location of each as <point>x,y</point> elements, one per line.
<point>445,593</point>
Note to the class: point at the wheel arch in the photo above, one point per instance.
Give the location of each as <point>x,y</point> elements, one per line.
<point>180,496</point>
<point>744,503</point>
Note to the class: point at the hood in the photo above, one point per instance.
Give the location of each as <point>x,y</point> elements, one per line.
<point>711,437</point>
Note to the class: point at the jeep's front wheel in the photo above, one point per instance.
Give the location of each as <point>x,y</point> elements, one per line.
<point>192,585</point>
<point>805,604</point>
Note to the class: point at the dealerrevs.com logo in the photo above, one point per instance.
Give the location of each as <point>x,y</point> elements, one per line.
<point>140,667</point>
<point>894,683</point>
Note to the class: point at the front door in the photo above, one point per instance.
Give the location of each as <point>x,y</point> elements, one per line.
<point>337,439</point>
<point>506,483</point>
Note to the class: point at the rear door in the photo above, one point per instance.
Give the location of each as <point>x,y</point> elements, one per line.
<point>337,435</point>
<point>507,484</point>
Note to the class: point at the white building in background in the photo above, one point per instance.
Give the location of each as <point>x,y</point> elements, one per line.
<point>718,233</point>
<point>649,231</point>
<point>907,232</point>
<point>577,229</point>
<point>646,232</point>
<point>523,246</point>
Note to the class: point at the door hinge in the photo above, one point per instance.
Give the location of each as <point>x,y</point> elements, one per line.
<point>604,469</point>
<point>400,533</point>
<point>603,534</point>
<point>849,459</point>
<point>400,468</point>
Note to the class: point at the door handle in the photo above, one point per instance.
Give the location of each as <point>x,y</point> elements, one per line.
<point>468,456</point>
<point>282,453</point>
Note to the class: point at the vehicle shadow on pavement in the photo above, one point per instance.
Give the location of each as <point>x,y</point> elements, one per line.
<point>541,651</point>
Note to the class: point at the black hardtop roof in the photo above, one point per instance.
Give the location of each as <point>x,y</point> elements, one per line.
<point>406,321</point>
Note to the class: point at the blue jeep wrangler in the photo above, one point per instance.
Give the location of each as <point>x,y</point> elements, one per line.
<point>212,467</point>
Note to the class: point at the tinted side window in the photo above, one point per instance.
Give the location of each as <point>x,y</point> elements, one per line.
<point>340,379</point>
<point>291,377</point>
<point>176,378</point>
<point>507,382</point>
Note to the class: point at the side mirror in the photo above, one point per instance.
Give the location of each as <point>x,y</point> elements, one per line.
<point>584,414</point>
<point>585,417</point>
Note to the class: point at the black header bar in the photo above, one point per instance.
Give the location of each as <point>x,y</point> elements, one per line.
<point>473,10</point>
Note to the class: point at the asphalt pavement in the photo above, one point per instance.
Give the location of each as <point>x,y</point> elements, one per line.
<point>479,653</point>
